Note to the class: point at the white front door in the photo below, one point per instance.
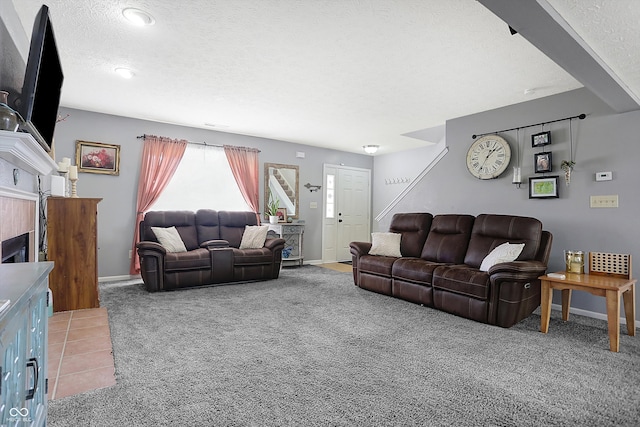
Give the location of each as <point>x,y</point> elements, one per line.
<point>347,210</point>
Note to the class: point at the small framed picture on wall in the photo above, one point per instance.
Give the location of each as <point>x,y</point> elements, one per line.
<point>543,188</point>
<point>541,139</point>
<point>542,162</point>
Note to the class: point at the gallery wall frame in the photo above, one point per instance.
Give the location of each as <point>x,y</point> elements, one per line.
<point>543,187</point>
<point>542,162</point>
<point>541,139</point>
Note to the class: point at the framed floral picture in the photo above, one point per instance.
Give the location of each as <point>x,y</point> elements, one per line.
<point>282,214</point>
<point>543,188</point>
<point>96,157</point>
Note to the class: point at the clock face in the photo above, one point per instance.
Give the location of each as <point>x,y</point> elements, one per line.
<point>488,157</point>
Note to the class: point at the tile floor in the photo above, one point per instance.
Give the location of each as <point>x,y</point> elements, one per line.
<point>80,354</point>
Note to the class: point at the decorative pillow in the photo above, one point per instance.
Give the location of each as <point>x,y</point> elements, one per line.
<point>169,238</point>
<point>506,252</point>
<point>386,244</point>
<point>254,236</point>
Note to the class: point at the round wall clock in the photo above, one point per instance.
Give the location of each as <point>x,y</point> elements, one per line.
<point>488,157</point>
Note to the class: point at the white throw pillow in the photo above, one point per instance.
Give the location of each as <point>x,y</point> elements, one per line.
<point>254,236</point>
<point>386,244</point>
<point>506,252</point>
<point>169,238</point>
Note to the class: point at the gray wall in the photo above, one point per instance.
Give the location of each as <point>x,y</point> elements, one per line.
<point>116,211</point>
<point>604,142</point>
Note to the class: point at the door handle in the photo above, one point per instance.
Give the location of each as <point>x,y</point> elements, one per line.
<point>33,363</point>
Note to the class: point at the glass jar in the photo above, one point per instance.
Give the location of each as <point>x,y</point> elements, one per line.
<point>8,116</point>
<point>574,261</point>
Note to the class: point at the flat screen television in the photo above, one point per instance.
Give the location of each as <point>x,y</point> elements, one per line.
<point>40,98</point>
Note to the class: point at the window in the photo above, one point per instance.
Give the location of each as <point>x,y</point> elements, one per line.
<point>330,201</point>
<point>203,180</point>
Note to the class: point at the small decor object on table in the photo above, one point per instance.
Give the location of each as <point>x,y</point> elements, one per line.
<point>281,213</point>
<point>543,188</point>
<point>96,157</point>
<point>574,261</point>
<point>272,208</point>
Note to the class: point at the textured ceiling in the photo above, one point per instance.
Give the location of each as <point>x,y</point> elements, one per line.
<point>333,73</point>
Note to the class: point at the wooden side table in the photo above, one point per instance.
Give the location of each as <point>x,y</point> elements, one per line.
<point>609,287</point>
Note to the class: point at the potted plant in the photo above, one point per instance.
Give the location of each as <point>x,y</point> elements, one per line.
<point>272,208</point>
<point>567,167</point>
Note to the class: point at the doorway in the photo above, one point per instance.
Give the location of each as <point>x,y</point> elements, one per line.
<point>347,210</point>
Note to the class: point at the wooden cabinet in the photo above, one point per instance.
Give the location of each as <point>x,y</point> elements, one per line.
<point>72,244</point>
<point>23,344</point>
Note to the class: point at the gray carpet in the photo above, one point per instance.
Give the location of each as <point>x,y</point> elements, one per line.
<point>312,349</point>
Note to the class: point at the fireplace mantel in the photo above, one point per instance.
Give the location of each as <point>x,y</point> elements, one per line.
<point>22,150</point>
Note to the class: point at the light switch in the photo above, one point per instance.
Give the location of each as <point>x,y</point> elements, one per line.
<point>313,205</point>
<point>604,176</point>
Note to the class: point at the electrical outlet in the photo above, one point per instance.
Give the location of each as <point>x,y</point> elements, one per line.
<point>130,253</point>
<point>604,201</point>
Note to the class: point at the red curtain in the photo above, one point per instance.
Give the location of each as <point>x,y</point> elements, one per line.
<point>160,159</point>
<point>244,165</point>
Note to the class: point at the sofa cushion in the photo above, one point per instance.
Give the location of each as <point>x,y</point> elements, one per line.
<point>183,221</point>
<point>169,238</point>
<point>490,231</point>
<point>232,225</point>
<point>379,265</point>
<point>463,280</point>
<point>207,225</point>
<point>414,270</point>
<point>506,252</point>
<point>414,228</point>
<point>448,238</point>
<point>191,260</point>
<point>252,256</point>
<point>385,244</point>
<point>254,236</point>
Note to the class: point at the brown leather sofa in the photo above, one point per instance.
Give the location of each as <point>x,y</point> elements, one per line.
<point>441,256</point>
<point>212,240</point>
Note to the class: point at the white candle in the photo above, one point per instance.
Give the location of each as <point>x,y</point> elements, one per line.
<point>73,172</point>
<point>62,167</point>
<point>66,161</point>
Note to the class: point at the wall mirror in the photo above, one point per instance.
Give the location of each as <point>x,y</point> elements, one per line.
<point>282,181</point>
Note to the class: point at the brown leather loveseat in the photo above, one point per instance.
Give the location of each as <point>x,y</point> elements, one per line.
<point>441,260</point>
<point>212,240</point>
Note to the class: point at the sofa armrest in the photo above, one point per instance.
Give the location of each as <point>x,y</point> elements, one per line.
<point>518,270</point>
<point>152,265</point>
<point>214,244</point>
<point>148,248</point>
<point>274,243</point>
<point>359,248</point>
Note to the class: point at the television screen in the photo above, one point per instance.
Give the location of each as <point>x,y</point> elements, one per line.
<point>42,82</point>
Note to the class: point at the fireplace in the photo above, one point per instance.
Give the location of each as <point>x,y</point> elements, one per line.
<point>16,249</point>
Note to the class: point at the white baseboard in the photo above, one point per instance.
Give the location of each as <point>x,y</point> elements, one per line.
<point>593,314</point>
<point>118,278</point>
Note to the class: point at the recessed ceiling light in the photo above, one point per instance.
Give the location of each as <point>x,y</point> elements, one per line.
<point>124,72</point>
<point>138,17</point>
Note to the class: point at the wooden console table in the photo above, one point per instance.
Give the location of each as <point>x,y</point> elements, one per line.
<point>609,287</point>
